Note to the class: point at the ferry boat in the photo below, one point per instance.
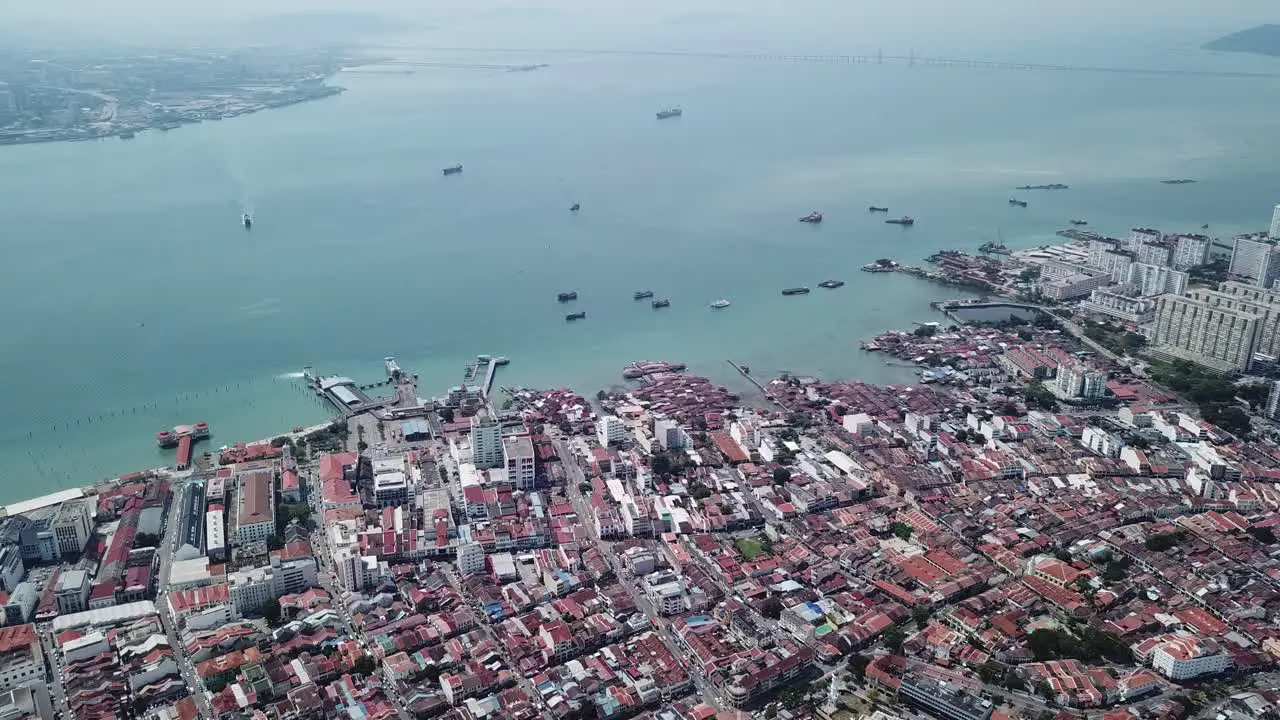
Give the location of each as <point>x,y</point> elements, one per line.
<point>575,316</point>
<point>246,221</point>
<point>831,284</point>
<point>796,291</point>
<point>813,217</point>
<point>720,304</point>
<point>1079,222</point>
<point>874,208</point>
<point>670,113</point>
<point>452,170</point>
<point>567,296</point>
<point>575,207</point>
<point>904,221</point>
<point>1016,201</point>
<point>641,294</point>
<point>659,304</point>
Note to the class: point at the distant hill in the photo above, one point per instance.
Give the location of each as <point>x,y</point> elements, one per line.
<point>1261,40</point>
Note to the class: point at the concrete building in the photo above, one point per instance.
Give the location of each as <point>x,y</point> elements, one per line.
<point>1157,279</point>
<point>1255,258</point>
<point>255,509</point>
<point>1079,381</point>
<point>1262,302</point>
<point>1182,656</point>
<point>390,482</point>
<point>72,593</point>
<point>944,699</point>
<point>666,592</point>
<point>253,587</point>
<point>72,526</point>
<point>1122,302</point>
<point>190,516</point>
<point>21,657</point>
<point>1190,251</point>
<point>1138,236</point>
<point>1098,247</point>
<point>354,571</point>
<point>215,533</point>
<point>1198,330</point>
<point>1074,286</point>
<point>521,462</point>
<point>1274,232</point>
<point>29,702</point>
<point>21,603</point>
<point>610,430</point>
<point>471,559</point>
<point>486,441</point>
<point>670,435</point>
<point>1273,401</point>
<point>11,568</point>
<point>1158,253</point>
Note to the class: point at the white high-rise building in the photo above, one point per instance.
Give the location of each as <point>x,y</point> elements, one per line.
<point>486,441</point>
<point>1157,279</point>
<point>1204,330</point>
<point>1273,401</point>
<point>1190,251</point>
<point>471,558</point>
<point>1137,236</point>
<point>1255,258</point>
<point>610,430</point>
<point>1155,253</point>
<point>1275,223</point>
<point>520,461</point>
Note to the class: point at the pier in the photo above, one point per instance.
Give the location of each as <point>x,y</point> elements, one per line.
<point>485,365</point>
<point>183,437</point>
<point>768,395</point>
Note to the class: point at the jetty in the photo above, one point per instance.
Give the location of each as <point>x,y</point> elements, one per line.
<point>768,395</point>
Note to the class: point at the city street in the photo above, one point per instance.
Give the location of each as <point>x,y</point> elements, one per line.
<point>168,544</point>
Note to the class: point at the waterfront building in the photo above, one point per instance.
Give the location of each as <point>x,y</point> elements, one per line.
<point>1074,286</point>
<point>521,462</point>
<point>1159,253</point>
<point>1198,330</point>
<point>72,526</point>
<point>1122,302</point>
<point>1098,247</point>
<point>255,513</point>
<point>1154,279</point>
<point>1138,236</point>
<point>1274,233</point>
<point>72,593</point>
<point>190,511</point>
<point>21,657</point>
<point>486,441</point>
<point>1190,251</point>
<point>1255,258</point>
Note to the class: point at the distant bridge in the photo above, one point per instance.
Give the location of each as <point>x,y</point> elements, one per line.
<point>878,58</point>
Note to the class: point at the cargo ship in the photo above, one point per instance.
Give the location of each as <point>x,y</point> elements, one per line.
<point>575,316</point>
<point>567,296</point>
<point>874,208</point>
<point>452,170</point>
<point>1079,222</point>
<point>1050,186</point>
<point>641,294</point>
<point>659,304</point>
<point>1017,202</point>
<point>831,284</point>
<point>796,291</point>
<point>813,217</point>
<point>670,113</point>
<point>645,368</point>
<point>880,266</point>
<point>904,221</point>
<point>1179,181</point>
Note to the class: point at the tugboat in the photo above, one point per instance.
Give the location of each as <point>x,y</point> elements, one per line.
<point>720,304</point>
<point>831,284</point>
<point>813,217</point>
<point>641,294</point>
<point>904,221</point>
<point>575,207</point>
<point>246,221</point>
<point>567,296</point>
<point>674,112</point>
<point>796,291</point>
<point>1016,201</point>
<point>873,208</point>
<point>659,304</point>
<point>452,170</point>
<point>575,316</point>
<point>1079,222</point>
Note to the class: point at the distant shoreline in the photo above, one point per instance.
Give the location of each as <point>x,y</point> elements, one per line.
<point>1259,40</point>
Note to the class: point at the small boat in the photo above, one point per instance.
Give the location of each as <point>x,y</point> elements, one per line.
<point>670,113</point>
<point>246,221</point>
<point>1079,222</point>
<point>873,208</point>
<point>720,304</point>
<point>452,170</point>
<point>813,217</point>
<point>575,316</point>
<point>575,207</point>
<point>641,294</point>
<point>1178,181</point>
<point>1016,201</point>
<point>831,284</point>
<point>127,135</point>
<point>659,304</point>
<point>567,296</point>
<point>745,369</point>
<point>796,291</point>
<point>1204,226</point>
<point>904,221</point>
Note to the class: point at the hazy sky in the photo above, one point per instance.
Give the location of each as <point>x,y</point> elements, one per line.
<point>945,23</point>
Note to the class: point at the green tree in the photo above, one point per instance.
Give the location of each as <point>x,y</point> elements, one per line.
<point>363,666</point>
<point>446,414</point>
<point>858,664</point>
<point>275,543</point>
<point>902,530</point>
<point>921,615</point>
<point>1163,541</point>
<point>781,476</point>
<point>271,611</point>
<point>1264,535</point>
<point>893,637</point>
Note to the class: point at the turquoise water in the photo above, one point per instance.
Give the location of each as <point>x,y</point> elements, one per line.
<point>134,301</point>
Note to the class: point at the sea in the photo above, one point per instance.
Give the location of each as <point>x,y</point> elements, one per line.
<point>133,300</point>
